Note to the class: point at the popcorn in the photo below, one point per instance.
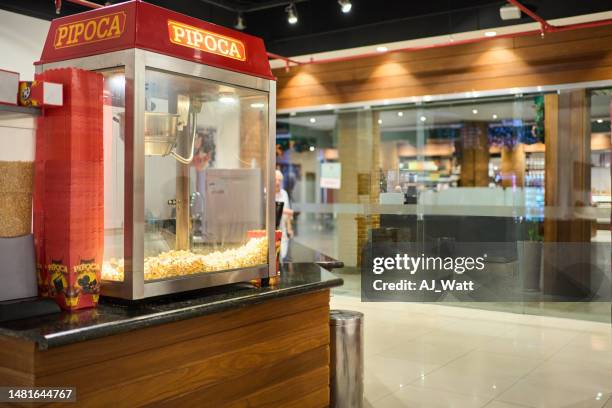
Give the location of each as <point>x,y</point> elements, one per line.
<point>179,263</point>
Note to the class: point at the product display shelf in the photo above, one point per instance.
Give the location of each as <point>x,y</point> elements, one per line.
<point>13,111</point>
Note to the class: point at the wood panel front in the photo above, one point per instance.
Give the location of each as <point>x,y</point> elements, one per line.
<point>275,353</point>
<point>558,58</point>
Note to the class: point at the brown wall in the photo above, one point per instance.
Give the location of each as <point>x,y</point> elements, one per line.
<point>573,56</point>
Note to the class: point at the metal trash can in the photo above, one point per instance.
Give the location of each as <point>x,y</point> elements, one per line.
<point>346,374</point>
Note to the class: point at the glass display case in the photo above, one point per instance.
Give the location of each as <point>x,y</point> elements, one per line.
<point>188,159</point>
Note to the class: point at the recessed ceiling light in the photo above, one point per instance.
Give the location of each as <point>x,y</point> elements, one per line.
<point>494,116</point>
<point>599,120</point>
<point>490,33</point>
<point>400,114</point>
<point>380,121</point>
<point>227,98</point>
<point>328,106</point>
<point>292,114</point>
<point>313,120</point>
<point>423,118</point>
<point>311,148</point>
<point>382,49</point>
<point>257,105</point>
<point>475,111</point>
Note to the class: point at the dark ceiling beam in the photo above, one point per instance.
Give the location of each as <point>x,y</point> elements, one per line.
<point>239,8</point>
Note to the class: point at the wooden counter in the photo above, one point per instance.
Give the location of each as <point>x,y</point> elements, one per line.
<point>271,351</point>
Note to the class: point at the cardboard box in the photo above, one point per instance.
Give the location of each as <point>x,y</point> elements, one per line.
<point>40,93</point>
<point>9,87</point>
<point>69,191</point>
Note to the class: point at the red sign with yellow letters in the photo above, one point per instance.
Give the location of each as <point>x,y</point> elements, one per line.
<point>136,24</point>
<point>193,37</point>
<point>106,27</point>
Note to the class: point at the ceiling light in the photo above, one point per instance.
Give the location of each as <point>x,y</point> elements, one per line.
<point>494,116</point>
<point>257,105</point>
<point>599,120</point>
<point>227,98</point>
<point>292,114</point>
<point>475,111</point>
<point>240,24</point>
<point>380,121</point>
<point>313,120</point>
<point>382,49</point>
<point>400,114</point>
<point>311,148</point>
<point>328,106</point>
<point>345,5</point>
<point>292,16</point>
<point>490,33</point>
<point>423,118</point>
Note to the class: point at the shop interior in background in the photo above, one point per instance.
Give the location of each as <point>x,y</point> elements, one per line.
<point>524,176</point>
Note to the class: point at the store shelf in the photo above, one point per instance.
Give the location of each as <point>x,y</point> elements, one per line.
<point>14,112</point>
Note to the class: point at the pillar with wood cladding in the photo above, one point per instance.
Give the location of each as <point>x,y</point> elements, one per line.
<point>567,229</point>
<point>474,154</point>
<point>253,124</point>
<point>358,141</point>
<point>513,166</point>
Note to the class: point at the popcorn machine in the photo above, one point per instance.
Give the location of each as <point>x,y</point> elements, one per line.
<point>189,121</point>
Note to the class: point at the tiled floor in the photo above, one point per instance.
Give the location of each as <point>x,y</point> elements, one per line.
<point>425,355</point>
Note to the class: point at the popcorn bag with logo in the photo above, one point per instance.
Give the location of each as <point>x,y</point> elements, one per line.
<point>68,191</point>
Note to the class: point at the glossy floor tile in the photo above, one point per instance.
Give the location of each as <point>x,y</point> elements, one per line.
<point>429,355</point>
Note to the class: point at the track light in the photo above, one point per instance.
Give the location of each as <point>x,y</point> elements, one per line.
<point>240,24</point>
<point>292,16</point>
<point>345,5</point>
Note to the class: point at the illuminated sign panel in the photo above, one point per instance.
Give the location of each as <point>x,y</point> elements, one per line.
<point>196,38</point>
<point>91,30</point>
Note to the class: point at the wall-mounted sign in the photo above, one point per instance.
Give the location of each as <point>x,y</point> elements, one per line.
<point>105,27</point>
<point>193,37</point>
<point>331,173</point>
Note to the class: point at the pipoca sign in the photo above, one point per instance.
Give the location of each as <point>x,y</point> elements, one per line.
<point>196,38</point>
<point>105,27</point>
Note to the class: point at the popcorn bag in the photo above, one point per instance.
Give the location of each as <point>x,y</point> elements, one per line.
<point>69,191</point>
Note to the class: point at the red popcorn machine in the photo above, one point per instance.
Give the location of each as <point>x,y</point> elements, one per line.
<point>188,122</point>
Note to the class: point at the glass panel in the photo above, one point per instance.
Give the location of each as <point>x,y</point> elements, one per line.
<point>523,179</point>
<point>114,168</point>
<point>205,172</point>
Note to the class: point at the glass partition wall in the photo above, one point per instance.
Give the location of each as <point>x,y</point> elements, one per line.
<point>522,178</point>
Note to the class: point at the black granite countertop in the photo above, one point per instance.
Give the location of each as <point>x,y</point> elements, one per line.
<point>112,316</point>
<point>299,253</point>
